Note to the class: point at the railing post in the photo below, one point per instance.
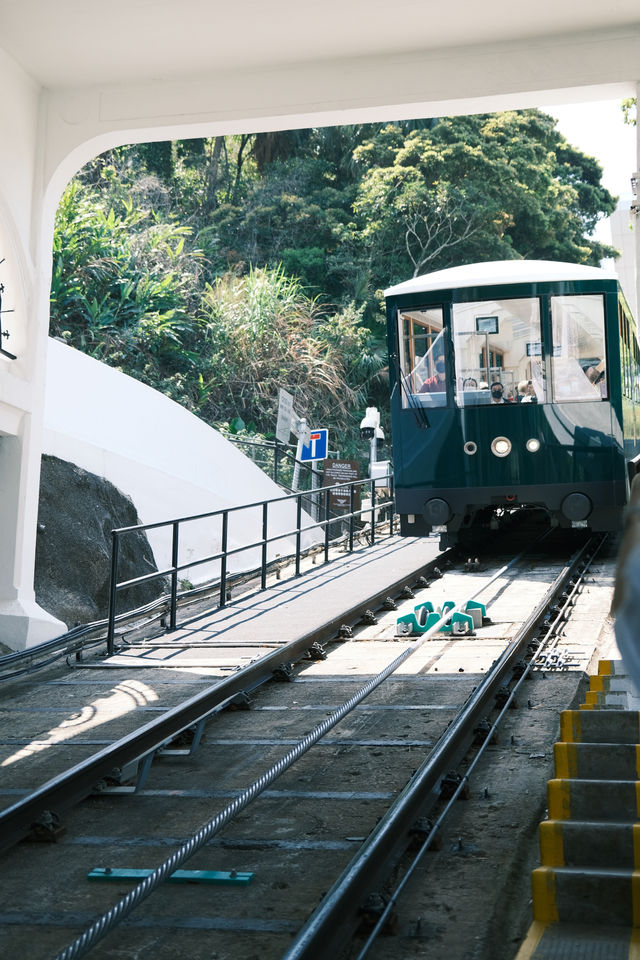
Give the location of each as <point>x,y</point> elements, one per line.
<point>263,574</point>
<point>223,559</point>
<point>392,507</point>
<point>174,575</point>
<point>373,512</point>
<point>276,451</point>
<point>298,532</point>
<point>326,525</point>
<point>352,504</point>
<point>113,588</point>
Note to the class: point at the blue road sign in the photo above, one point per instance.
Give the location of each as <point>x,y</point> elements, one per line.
<point>316,449</point>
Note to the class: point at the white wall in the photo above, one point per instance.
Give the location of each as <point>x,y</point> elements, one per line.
<point>167,460</point>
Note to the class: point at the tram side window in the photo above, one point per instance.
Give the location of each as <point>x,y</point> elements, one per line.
<point>579,368</point>
<point>629,354</point>
<point>498,352</point>
<point>422,357</point>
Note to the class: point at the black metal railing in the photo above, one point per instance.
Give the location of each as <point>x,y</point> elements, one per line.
<point>278,460</point>
<point>305,523</point>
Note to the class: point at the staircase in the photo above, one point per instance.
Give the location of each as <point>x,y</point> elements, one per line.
<point>586,891</point>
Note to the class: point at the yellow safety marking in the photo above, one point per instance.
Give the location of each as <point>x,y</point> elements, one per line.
<point>634,945</point>
<point>592,698</point>
<point>588,706</point>
<point>605,667</point>
<point>543,887</point>
<point>530,943</point>
<point>636,845</point>
<point>559,799</point>
<point>637,761</point>
<point>551,843</point>
<point>638,799</point>
<point>566,760</point>
<point>570,727</point>
<point>635,896</point>
<point>596,683</point>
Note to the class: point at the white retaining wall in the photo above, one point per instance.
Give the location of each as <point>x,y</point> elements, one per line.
<point>167,460</point>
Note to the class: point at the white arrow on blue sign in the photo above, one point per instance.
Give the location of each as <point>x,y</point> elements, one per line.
<point>316,448</point>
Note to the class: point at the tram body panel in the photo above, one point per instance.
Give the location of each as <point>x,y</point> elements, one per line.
<point>562,441</point>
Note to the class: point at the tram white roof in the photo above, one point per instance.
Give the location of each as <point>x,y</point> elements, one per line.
<point>495,272</point>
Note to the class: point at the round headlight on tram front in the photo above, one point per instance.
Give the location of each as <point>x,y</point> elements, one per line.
<point>533,445</point>
<point>470,447</point>
<point>501,447</point>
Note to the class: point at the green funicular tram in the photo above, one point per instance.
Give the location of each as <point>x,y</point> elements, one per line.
<point>513,383</point>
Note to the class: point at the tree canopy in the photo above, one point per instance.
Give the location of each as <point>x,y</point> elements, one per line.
<point>220,269</point>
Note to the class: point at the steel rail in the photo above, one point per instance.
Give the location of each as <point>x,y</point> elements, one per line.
<point>332,923</point>
<point>75,784</point>
<point>85,942</point>
<point>534,661</point>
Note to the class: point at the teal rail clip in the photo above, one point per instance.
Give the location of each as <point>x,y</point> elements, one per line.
<point>424,617</point>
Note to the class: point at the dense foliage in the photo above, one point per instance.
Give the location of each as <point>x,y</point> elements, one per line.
<point>219,270</point>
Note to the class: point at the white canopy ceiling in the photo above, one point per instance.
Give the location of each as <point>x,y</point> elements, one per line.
<point>69,43</point>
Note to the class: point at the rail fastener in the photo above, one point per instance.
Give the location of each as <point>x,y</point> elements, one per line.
<point>425,615</point>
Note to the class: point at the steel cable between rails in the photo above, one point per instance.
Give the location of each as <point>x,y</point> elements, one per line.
<point>393,900</point>
<point>99,929</point>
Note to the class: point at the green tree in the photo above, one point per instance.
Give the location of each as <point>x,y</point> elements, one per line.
<point>124,288</point>
<point>264,332</point>
<point>476,188</point>
<point>219,269</point>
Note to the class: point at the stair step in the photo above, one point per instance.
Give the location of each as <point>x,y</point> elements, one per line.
<point>612,668</point>
<point>607,800</point>
<point>595,726</point>
<point>567,941</point>
<point>579,895</point>
<point>581,843</point>
<point>603,683</point>
<point>597,761</point>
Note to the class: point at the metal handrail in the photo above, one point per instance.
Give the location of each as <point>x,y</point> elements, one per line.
<point>282,453</point>
<point>262,542</point>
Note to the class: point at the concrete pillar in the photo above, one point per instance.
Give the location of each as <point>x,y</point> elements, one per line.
<point>635,220</point>
<point>25,318</point>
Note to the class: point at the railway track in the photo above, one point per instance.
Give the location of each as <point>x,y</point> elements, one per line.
<point>292,871</point>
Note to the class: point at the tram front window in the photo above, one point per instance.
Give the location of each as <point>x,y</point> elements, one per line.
<point>579,361</point>
<point>498,352</point>
<point>422,357</point>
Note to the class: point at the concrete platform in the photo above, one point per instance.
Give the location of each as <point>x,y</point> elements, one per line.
<point>290,609</point>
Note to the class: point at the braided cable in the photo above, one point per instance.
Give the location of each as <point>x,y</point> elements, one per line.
<point>82,944</point>
<point>124,907</point>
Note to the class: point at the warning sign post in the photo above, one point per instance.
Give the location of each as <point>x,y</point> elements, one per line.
<point>341,471</point>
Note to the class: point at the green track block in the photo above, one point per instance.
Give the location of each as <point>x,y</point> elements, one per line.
<point>416,622</point>
<point>178,876</point>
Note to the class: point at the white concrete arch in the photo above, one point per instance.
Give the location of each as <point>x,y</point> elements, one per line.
<point>78,77</point>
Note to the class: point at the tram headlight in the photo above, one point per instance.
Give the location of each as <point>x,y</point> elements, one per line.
<point>533,445</point>
<point>501,447</point>
<point>470,447</point>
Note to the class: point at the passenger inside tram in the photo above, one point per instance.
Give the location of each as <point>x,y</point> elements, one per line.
<point>500,342</point>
